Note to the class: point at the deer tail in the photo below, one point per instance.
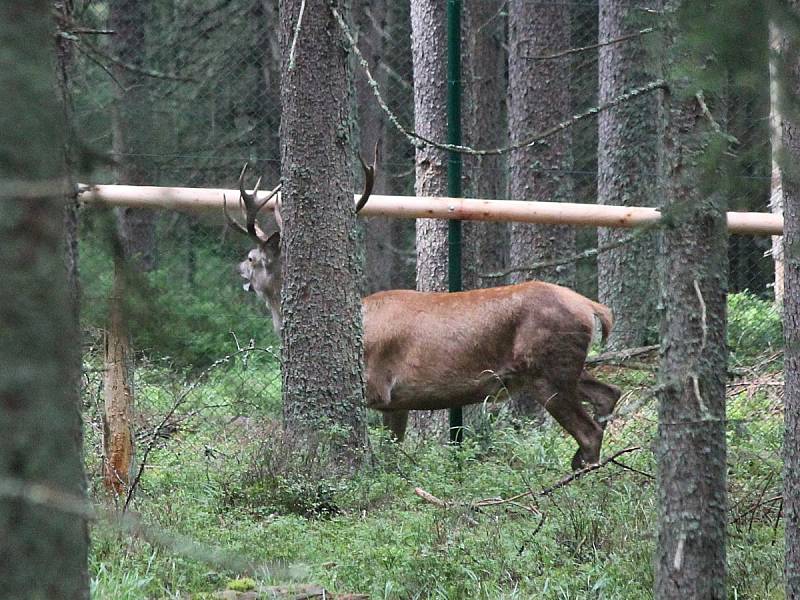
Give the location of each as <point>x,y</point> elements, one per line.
<point>603,314</point>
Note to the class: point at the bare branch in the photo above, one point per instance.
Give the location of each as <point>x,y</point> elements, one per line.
<point>296,34</point>
<point>514,500</point>
<point>419,141</point>
<point>610,42</point>
<point>554,262</point>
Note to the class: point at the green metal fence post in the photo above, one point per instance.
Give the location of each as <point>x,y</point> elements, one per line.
<point>454,170</point>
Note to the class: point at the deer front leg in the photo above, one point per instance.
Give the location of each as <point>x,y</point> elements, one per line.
<point>395,421</point>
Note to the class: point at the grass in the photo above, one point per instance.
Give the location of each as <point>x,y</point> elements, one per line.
<point>241,487</point>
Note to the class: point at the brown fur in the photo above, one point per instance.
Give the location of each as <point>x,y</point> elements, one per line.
<point>428,351</point>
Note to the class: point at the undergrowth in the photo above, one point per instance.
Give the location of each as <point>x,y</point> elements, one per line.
<point>241,486</point>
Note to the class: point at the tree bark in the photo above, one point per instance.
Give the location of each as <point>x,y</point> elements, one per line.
<point>131,126</point>
<point>691,449</point>
<point>429,54</point>
<point>789,80</point>
<point>118,399</point>
<point>44,545</point>
<point>626,161</point>
<point>131,130</point>
<point>484,244</point>
<point>538,98</point>
<point>323,386</point>
<point>776,184</point>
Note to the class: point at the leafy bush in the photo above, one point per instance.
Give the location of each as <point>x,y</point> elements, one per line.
<point>754,326</point>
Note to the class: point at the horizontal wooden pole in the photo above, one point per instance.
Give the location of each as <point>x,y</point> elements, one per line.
<point>205,200</point>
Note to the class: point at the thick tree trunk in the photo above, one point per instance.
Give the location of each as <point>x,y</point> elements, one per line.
<point>538,98</point>
<point>44,545</point>
<point>323,386</point>
<point>789,78</point>
<point>626,162</point>
<point>691,449</point>
<point>429,53</point>
<point>485,244</point>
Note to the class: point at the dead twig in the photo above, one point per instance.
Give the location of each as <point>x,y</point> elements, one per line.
<point>621,356</point>
<point>514,500</point>
<point>587,469</point>
<point>179,401</point>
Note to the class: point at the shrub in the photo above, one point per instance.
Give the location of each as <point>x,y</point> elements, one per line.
<point>754,326</point>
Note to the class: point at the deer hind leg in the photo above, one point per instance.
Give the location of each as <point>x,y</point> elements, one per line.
<point>602,396</point>
<point>395,421</point>
<point>564,405</point>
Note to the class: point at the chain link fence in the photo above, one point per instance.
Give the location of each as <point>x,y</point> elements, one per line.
<point>182,94</point>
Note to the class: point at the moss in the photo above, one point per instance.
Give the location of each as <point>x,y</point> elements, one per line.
<point>245,584</point>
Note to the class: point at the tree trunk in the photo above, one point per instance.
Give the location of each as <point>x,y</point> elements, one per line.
<point>776,185</point>
<point>64,66</point>
<point>691,449</point>
<point>135,231</point>
<point>789,78</point>
<point>429,53</point>
<point>323,386</point>
<point>538,98</point>
<point>626,161</point>
<point>131,125</point>
<point>118,399</point>
<point>44,543</point>
<point>485,244</point>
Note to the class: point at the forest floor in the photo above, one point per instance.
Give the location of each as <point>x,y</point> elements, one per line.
<point>230,504</point>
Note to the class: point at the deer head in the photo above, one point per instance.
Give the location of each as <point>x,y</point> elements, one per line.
<point>262,267</point>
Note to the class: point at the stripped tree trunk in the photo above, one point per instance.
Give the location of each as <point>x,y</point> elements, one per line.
<point>118,399</point>
<point>776,186</point>
<point>135,232</point>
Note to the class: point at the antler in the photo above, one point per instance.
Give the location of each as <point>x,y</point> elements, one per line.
<point>369,183</point>
<point>250,205</point>
<point>369,178</point>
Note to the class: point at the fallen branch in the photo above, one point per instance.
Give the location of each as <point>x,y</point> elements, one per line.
<point>514,500</point>
<point>621,356</point>
<point>587,469</point>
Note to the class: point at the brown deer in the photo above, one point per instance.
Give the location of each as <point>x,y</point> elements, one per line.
<point>425,351</point>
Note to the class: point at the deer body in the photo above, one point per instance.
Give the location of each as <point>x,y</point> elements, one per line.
<point>428,350</point>
<point>425,351</point>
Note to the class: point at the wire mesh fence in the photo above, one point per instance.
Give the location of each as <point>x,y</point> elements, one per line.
<point>184,93</point>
